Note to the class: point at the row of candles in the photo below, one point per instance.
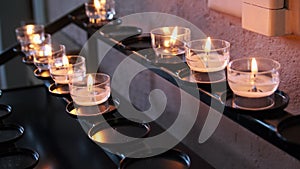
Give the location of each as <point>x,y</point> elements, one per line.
<point>247,77</point>
<point>86,89</point>
<point>251,79</point>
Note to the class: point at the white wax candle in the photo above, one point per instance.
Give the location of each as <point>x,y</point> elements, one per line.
<point>243,85</point>
<point>210,62</point>
<point>84,97</point>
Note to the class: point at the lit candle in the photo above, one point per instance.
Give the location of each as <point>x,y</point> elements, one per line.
<point>48,50</point>
<point>169,42</point>
<point>97,6</point>
<point>90,83</point>
<point>95,92</point>
<point>207,47</point>
<point>102,8</point>
<point>65,61</point>
<point>254,70</point>
<point>253,83</point>
<point>207,50</point>
<point>59,72</point>
<point>41,57</point>
<point>33,36</point>
<point>173,38</point>
<point>201,57</point>
<point>29,29</point>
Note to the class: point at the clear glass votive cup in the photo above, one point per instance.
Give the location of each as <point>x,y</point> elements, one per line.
<point>105,10</point>
<point>169,43</point>
<point>90,89</point>
<point>204,56</point>
<point>28,36</point>
<point>61,67</point>
<point>253,82</point>
<point>42,52</point>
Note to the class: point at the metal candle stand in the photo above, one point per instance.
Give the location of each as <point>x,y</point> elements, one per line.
<point>9,134</point>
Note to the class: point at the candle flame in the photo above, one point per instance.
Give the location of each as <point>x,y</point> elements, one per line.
<point>102,3</point>
<point>207,47</point>
<point>65,61</point>
<point>97,4</point>
<point>166,43</point>
<point>29,29</point>
<point>48,50</point>
<point>174,36</point>
<point>90,82</point>
<point>254,70</point>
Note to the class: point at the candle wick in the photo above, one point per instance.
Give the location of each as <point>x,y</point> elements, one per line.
<point>254,89</point>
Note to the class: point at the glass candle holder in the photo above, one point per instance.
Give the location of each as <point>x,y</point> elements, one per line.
<point>169,43</point>
<point>90,89</point>
<point>99,10</point>
<point>42,52</point>
<point>207,60</point>
<point>207,55</point>
<point>61,66</point>
<point>28,36</point>
<point>253,82</point>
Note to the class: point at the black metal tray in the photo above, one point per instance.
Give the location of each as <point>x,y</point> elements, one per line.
<point>281,102</point>
<point>138,42</point>
<point>120,32</point>
<point>188,76</point>
<point>142,45</point>
<point>170,159</point>
<point>10,133</point>
<point>41,74</point>
<point>59,89</point>
<point>5,111</point>
<point>77,111</point>
<point>28,61</point>
<point>18,158</point>
<point>105,132</point>
<point>83,20</point>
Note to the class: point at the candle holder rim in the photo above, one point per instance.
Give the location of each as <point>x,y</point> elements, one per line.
<point>24,28</point>
<point>278,66</point>
<point>56,48</point>
<point>153,31</point>
<point>89,4</point>
<point>102,74</point>
<point>227,45</point>
<point>76,56</point>
<point>92,2</point>
<point>106,81</point>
